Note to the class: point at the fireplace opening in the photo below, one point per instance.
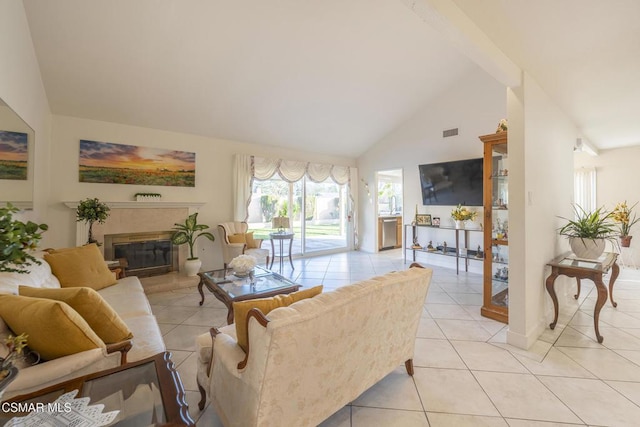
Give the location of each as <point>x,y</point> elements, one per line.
<point>144,254</point>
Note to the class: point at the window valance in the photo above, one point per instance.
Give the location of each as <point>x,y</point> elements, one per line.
<point>292,170</point>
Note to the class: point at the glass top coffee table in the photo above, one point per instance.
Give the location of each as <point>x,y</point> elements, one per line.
<point>148,392</point>
<point>229,288</point>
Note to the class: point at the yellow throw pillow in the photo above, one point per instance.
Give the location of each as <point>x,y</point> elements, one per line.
<point>237,238</point>
<point>251,242</point>
<point>241,309</point>
<point>103,319</point>
<point>54,329</point>
<point>81,266</point>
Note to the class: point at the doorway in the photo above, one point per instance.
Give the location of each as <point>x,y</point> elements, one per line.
<point>389,208</point>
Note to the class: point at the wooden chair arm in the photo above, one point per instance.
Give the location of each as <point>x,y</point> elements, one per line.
<point>262,320</point>
<point>123,347</point>
<point>213,332</point>
<point>416,265</point>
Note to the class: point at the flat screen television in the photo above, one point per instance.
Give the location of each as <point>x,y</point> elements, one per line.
<point>452,183</point>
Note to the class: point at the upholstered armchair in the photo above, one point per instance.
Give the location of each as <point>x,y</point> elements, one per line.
<point>228,232</point>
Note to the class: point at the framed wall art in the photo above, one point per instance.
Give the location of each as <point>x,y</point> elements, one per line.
<point>106,162</point>
<point>14,155</point>
<point>436,221</point>
<point>423,219</point>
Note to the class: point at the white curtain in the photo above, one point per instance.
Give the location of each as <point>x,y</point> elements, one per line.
<point>584,188</point>
<point>248,168</point>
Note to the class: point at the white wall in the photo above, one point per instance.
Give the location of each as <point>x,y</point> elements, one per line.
<point>21,88</point>
<point>214,163</point>
<point>617,176</point>
<point>541,140</point>
<point>474,105</point>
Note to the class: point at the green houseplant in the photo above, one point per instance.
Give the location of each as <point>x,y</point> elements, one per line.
<point>588,232</point>
<point>16,240</point>
<point>188,233</point>
<point>90,211</point>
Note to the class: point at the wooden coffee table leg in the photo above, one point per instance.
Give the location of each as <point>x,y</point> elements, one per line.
<point>200,285</point>
<point>578,294</point>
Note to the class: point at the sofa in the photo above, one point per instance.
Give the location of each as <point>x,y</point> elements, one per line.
<point>307,360</point>
<point>126,297</point>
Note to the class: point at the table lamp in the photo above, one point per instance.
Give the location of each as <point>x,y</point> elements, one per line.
<point>280,222</point>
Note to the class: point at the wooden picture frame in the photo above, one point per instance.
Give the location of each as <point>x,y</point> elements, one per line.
<point>423,219</point>
<point>436,221</point>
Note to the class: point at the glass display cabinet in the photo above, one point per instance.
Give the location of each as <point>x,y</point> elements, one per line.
<point>495,300</point>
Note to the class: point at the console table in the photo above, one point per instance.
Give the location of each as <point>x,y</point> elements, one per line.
<point>569,265</point>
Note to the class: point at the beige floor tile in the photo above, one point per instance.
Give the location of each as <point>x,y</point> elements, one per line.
<point>466,298</point>
<point>183,337</point>
<point>571,337</point>
<point>631,355</point>
<point>604,363</point>
<point>208,418</point>
<point>175,314</point>
<point>581,394</point>
<point>482,356</point>
<point>630,390</point>
<point>531,423</point>
<point>179,356</point>
<point>434,297</point>
<point>614,338</point>
<point>188,371</point>
<point>452,391</point>
<point>427,328</point>
<point>375,417</point>
<point>537,351</point>
<point>342,418</point>
<point>466,330</point>
<point>523,396</point>
<point>165,328</point>
<point>433,353</point>
<point>448,311</point>
<point>206,316</point>
<point>455,420</point>
<point>395,391</point>
<point>555,363</point>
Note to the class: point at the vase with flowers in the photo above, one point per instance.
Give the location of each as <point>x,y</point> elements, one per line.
<point>243,265</point>
<point>622,216</point>
<point>90,211</point>
<point>460,214</point>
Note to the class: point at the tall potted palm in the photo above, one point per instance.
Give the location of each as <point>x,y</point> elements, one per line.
<point>588,232</point>
<point>188,233</point>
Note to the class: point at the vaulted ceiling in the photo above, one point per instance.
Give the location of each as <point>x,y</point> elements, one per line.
<point>331,76</point>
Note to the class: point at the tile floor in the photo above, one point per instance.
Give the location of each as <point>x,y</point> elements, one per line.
<point>466,374</point>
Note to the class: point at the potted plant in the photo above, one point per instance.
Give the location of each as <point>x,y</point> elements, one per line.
<point>188,233</point>
<point>622,216</point>
<point>16,240</point>
<point>90,211</point>
<point>461,214</point>
<point>588,232</point>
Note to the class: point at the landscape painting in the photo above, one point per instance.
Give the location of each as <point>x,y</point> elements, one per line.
<point>106,162</point>
<point>14,155</point>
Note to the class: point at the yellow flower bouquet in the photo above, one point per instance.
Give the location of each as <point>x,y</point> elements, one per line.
<point>622,216</point>
<point>461,213</point>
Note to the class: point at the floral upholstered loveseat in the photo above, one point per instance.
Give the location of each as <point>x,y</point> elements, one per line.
<point>126,297</point>
<point>306,361</point>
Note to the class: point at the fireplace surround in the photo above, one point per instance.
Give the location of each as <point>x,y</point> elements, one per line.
<point>145,254</point>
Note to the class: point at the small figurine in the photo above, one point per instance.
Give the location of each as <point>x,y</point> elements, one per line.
<point>444,247</point>
<point>430,247</point>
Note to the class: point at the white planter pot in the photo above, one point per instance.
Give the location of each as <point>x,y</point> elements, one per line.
<point>192,266</point>
<point>587,248</point>
<point>459,224</point>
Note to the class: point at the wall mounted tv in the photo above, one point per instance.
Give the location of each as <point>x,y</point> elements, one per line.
<point>452,183</point>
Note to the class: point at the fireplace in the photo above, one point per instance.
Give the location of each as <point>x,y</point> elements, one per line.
<point>146,254</point>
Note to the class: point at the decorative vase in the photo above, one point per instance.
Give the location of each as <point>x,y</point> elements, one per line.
<point>192,266</point>
<point>625,241</point>
<point>243,273</point>
<point>459,224</point>
<point>587,248</point>
<point>4,382</point>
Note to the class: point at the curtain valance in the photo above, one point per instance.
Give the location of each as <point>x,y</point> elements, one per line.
<point>292,170</point>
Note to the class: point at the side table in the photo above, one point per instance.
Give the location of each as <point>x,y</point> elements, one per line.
<point>281,237</point>
<point>569,265</point>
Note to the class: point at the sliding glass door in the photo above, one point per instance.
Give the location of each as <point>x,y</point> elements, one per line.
<point>317,212</point>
